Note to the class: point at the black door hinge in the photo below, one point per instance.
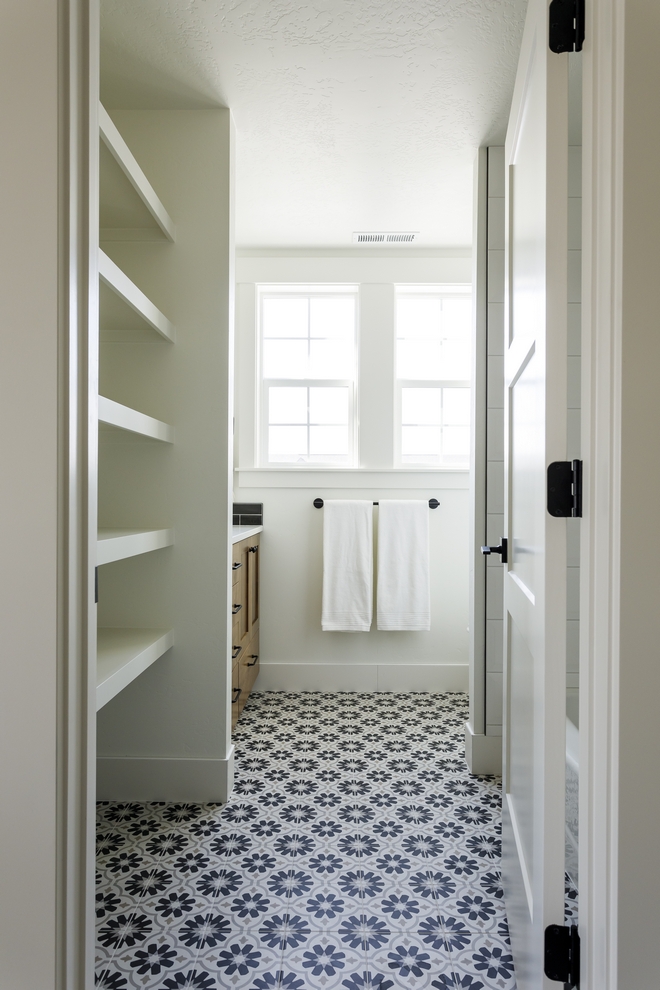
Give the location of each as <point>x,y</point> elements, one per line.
<point>502,549</point>
<point>562,955</point>
<point>565,488</point>
<point>566,28</point>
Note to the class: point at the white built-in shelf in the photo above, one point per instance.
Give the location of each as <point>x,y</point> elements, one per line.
<point>127,291</point>
<point>114,417</point>
<point>123,654</point>
<point>117,544</point>
<point>129,210</point>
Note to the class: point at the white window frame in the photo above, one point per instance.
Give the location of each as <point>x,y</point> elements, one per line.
<point>263,384</point>
<point>435,291</point>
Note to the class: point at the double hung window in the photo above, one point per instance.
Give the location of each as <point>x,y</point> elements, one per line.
<point>432,397</point>
<point>308,373</point>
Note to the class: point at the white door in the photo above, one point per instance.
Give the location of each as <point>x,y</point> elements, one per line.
<point>535,430</point>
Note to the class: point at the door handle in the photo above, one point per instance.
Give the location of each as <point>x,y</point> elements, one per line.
<point>253,657</point>
<point>253,549</point>
<point>235,567</point>
<point>237,694</point>
<point>486,551</point>
<point>236,609</point>
<point>235,651</point>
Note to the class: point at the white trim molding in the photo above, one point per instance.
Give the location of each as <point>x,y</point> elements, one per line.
<point>126,778</point>
<point>601,331</point>
<point>396,677</point>
<point>48,81</point>
<point>448,479</point>
<point>483,754</point>
<point>620,570</point>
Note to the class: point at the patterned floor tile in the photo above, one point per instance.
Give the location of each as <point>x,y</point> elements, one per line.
<point>488,960</point>
<point>324,960</point>
<point>357,852</point>
<point>571,915</point>
<point>410,961</point>
<point>240,963</point>
<point>327,905</point>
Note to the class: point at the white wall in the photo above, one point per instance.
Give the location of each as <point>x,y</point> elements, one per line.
<point>495,442</point>
<point>574,426</point>
<point>637,739</point>
<point>295,653</point>
<point>30,316</point>
<point>484,729</point>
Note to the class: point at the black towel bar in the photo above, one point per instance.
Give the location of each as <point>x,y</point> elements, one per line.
<point>433,503</point>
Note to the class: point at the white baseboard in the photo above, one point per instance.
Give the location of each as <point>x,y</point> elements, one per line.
<point>397,677</point>
<point>483,754</point>
<point>127,778</point>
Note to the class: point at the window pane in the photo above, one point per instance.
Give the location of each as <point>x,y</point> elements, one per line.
<point>285,317</point>
<point>287,443</point>
<point>455,359</point>
<point>421,406</point>
<point>330,359</point>
<point>328,405</point>
<point>325,441</point>
<point>456,406</point>
<point>420,441</point>
<point>419,359</point>
<point>418,317</point>
<point>308,335</point>
<point>287,405</point>
<point>332,318</point>
<point>457,317</point>
<point>430,460</point>
<point>285,358</point>
<point>456,442</point>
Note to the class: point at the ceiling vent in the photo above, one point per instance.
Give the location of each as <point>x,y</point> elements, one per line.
<point>384,236</point>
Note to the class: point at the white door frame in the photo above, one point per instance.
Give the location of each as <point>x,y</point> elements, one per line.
<point>78,386</point>
<point>620,571</point>
<point>48,319</point>
<point>602,72</point>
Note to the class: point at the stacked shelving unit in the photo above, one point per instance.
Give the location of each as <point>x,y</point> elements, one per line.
<point>130,210</point>
<point>163,726</point>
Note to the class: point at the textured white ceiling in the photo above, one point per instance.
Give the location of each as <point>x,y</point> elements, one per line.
<point>350,114</point>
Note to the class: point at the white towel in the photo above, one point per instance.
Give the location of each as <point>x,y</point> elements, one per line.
<point>348,566</point>
<point>404,601</point>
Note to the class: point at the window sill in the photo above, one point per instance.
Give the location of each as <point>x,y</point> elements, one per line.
<point>338,477</point>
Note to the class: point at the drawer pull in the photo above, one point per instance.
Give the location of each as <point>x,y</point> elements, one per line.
<point>253,657</point>
<point>237,694</point>
<point>253,549</point>
<point>236,609</point>
<point>235,567</point>
<point>236,651</point>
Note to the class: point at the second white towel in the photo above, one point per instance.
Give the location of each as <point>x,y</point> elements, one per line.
<point>404,600</point>
<point>347,566</point>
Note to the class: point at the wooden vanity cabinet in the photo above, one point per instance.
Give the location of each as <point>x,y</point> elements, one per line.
<point>245,621</point>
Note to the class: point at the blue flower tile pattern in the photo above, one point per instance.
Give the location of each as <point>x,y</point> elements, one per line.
<point>356,853</point>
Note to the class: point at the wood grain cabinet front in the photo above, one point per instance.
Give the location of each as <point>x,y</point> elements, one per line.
<point>248,665</point>
<point>245,621</point>
<point>235,693</point>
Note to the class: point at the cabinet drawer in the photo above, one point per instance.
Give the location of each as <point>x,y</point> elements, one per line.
<point>248,663</point>
<point>237,565</point>
<point>239,595</point>
<point>235,693</point>
<point>245,620</point>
